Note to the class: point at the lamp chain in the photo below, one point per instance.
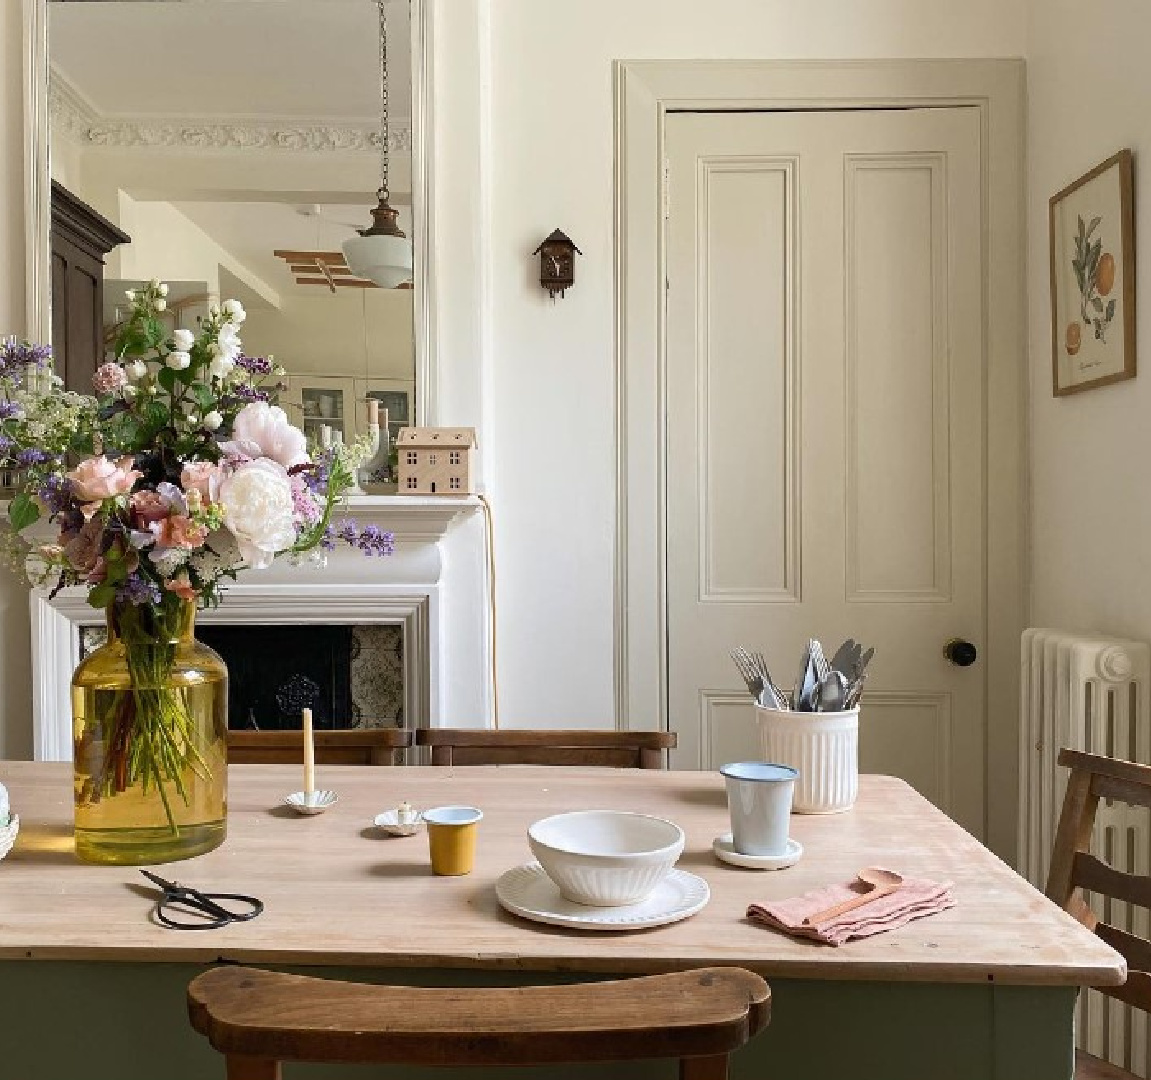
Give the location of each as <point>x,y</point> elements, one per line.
<point>383,101</point>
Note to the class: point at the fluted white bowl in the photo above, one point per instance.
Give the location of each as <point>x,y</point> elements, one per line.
<point>8,835</point>
<point>605,858</point>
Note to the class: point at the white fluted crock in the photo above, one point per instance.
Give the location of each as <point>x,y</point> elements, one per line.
<point>824,747</point>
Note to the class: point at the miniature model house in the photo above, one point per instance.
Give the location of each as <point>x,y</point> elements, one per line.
<point>436,461</point>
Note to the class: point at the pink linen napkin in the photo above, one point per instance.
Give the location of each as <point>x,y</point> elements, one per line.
<point>914,899</point>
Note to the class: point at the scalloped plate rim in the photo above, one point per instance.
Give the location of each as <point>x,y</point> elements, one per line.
<point>593,918</point>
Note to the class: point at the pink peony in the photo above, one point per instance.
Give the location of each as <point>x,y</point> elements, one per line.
<point>263,431</point>
<point>109,378</point>
<point>258,511</point>
<point>148,506</point>
<point>99,478</point>
<point>179,531</point>
<point>201,476</point>
<point>181,586</point>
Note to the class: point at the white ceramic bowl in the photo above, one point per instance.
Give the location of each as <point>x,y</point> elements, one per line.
<point>606,858</point>
<point>8,835</point>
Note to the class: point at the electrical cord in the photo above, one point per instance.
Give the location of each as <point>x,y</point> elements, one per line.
<point>490,556</point>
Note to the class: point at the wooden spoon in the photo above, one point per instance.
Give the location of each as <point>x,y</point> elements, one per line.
<point>882,882</point>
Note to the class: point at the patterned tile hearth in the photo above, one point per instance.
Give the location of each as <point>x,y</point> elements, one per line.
<point>355,679</point>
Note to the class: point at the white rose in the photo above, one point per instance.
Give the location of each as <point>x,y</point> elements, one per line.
<point>229,341</point>
<point>160,305</point>
<point>258,511</point>
<point>213,420</point>
<point>162,289</point>
<point>178,361</point>
<point>131,295</point>
<point>129,392</point>
<point>183,340</point>
<point>235,310</point>
<point>263,431</point>
<point>136,370</point>
<point>220,367</point>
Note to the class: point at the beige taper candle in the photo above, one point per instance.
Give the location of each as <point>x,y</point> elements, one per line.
<point>309,757</point>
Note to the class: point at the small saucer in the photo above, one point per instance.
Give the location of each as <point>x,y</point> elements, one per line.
<point>389,822</point>
<point>725,852</point>
<point>315,802</point>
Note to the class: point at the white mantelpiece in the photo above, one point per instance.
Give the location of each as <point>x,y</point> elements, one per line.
<point>403,589</point>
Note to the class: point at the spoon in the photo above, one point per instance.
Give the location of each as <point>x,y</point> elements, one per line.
<point>831,693</point>
<point>882,882</point>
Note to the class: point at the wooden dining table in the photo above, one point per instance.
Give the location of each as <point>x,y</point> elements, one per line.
<point>91,988</point>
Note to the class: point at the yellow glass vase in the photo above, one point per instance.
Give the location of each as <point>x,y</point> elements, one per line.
<point>149,729</point>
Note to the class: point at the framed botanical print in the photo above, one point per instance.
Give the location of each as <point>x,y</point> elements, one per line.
<point>1093,279</point>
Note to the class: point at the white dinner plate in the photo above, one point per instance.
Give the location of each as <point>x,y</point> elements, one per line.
<point>528,891</point>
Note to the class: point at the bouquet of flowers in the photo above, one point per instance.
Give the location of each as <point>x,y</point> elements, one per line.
<point>177,474</point>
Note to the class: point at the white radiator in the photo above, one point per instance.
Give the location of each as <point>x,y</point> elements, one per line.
<point>1089,693</point>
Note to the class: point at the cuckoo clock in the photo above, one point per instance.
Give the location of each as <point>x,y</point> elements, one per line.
<point>557,263</point>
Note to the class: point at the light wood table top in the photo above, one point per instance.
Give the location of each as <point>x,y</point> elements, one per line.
<point>338,892</point>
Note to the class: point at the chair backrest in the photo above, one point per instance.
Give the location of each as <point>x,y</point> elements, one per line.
<point>1074,867</point>
<point>613,749</point>
<point>261,1018</point>
<point>355,746</point>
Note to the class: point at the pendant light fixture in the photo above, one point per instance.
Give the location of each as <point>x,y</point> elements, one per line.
<point>382,253</point>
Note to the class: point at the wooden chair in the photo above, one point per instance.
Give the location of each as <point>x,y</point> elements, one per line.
<point>258,1019</point>
<point>1073,867</point>
<point>356,746</point>
<point>618,749</point>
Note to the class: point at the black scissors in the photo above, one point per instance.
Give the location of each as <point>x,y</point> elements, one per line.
<point>210,915</point>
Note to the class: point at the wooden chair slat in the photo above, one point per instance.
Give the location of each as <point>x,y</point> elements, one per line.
<point>1106,766</point>
<point>1091,873</point>
<point>607,749</point>
<point>1136,950</point>
<point>353,746</point>
<point>280,1017</point>
<point>1135,991</point>
<point>1127,791</point>
<point>1072,835</point>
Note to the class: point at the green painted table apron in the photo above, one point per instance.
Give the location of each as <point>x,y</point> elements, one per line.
<point>62,1020</point>
<point>92,989</point>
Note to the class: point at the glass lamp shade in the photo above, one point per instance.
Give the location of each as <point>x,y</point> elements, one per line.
<point>380,257</point>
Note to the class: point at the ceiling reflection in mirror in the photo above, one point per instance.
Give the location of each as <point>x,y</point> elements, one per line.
<point>237,144</point>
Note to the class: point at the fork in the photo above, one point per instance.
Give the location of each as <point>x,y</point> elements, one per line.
<point>770,696</point>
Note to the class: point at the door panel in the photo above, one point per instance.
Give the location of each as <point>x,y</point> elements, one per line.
<point>825,424</point>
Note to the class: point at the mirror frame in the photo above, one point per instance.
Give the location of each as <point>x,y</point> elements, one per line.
<point>38,187</point>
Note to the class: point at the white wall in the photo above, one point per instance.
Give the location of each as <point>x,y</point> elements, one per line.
<point>1089,85</point>
<point>523,145</point>
<point>552,365</point>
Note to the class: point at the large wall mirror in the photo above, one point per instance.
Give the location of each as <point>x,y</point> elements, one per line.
<point>236,143</point>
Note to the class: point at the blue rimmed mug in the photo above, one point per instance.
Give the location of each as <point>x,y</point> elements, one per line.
<point>759,796</point>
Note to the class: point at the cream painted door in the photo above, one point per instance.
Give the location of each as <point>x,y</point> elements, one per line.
<point>825,418</point>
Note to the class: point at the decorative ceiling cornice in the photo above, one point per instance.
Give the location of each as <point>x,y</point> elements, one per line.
<point>73,117</point>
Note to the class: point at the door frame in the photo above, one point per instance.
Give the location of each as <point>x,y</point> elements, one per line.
<point>645,92</point>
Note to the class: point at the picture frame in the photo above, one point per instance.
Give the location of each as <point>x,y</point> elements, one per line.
<point>1092,238</point>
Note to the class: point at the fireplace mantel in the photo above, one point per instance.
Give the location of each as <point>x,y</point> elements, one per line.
<point>402,589</point>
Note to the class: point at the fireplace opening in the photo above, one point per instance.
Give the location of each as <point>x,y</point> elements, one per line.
<point>349,676</point>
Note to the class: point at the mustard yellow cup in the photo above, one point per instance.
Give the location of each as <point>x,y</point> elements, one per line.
<point>452,838</point>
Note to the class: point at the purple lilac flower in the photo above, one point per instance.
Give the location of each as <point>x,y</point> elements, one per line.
<point>15,355</point>
<point>249,393</point>
<point>376,541</point>
<point>328,540</point>
<point>347,531</point>
<point>54,493</point>
<point>257,365</point>
<point>8,409</point>
<point>138,590</point>
<point>317,477</point>
<point>31,456</point>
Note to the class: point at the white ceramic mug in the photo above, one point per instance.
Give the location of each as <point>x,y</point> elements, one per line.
<point>759,798</point>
